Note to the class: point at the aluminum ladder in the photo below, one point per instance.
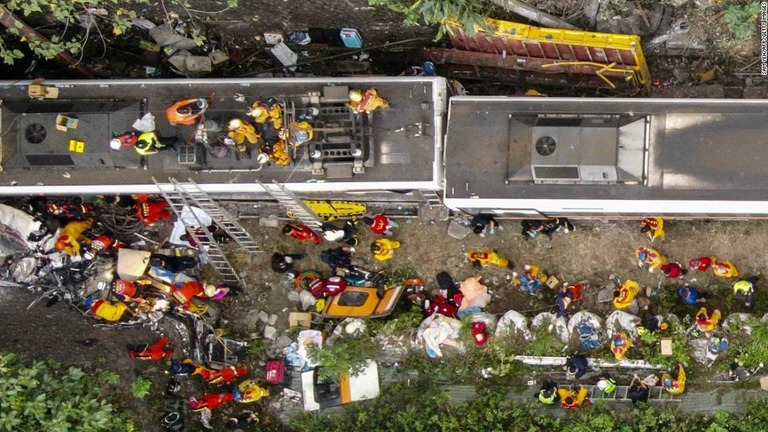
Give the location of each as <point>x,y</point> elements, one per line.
<point>180,195</point>
<point>655,393</point>
<point>292,204</point>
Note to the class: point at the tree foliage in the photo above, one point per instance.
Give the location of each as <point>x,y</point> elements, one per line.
<point>469,13</point>
<point>422,406</point>
<point>93,17</point>
<point>35,395</point>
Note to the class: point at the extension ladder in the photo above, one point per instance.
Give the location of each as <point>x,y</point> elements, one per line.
<point>655,393</point>
<point>180,195</point>
<point>291,203</point>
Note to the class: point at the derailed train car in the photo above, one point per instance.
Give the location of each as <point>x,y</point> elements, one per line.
<point>513,156</point>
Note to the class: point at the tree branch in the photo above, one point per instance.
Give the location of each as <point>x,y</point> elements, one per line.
<point>10,21</point>
<point>533,14</point>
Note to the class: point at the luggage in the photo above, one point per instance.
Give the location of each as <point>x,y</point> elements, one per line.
<point>351,38</point>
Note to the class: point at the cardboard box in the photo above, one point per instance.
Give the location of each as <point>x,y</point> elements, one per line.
<point>666,346</point>
<point>764,383</point>
<point>299,320</point>
<point>552,282</point>
<point>64,122</point>
<point>132,264</point>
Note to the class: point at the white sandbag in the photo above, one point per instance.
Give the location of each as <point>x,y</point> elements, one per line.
<point>514,322</point>
<point>557,325</point>
<point>619,321</point>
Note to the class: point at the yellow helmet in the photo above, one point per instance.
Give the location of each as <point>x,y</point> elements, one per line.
<point>256,111</point>
<point>355,96</point>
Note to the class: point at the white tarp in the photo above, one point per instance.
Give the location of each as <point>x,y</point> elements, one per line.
<point>513,322</point>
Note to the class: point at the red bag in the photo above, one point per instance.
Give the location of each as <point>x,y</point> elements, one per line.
<point>275,372</point>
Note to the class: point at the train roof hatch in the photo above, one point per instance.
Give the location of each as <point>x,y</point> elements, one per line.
<point>576,149</point>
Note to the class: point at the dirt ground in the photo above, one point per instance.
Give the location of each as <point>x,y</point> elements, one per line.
<point>596,249</point>
<point>593,252</point>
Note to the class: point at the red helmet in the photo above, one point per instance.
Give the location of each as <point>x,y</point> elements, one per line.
<point>317,288</point>
<point>447,309</point>
<point>334,285</point>
<point>478,327</point>
<point>480,338</point>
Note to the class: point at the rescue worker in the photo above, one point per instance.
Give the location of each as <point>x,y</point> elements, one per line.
<point>480,259</point>
<point>725,269</point>
<point>249,391</point>
<point>482,222</point>
<point>366,102</point>
<point>268,111</point>
<point>744,290</point>
<point>300,133</point>
<point>302,233</point>
<point>210,401</point>
<point>650,257</point>
<point>187,111</point>
<point>156,351</point>
<point>606,383</point>
<point>531,280</point>
<point>283,263</point>
<point>706,322</point>
<point>380,224</point>
<point>702,263</point>
<point>650,324</point>
<point>573,399</point>
<point>150,211</point>
<point>566,295</point>
<point>674,386</point>
<point>690,295</point>
<point>184,368</point>
<point>673,270</point>
<point>653,227</point>
<point>575,366</point>
<point>107,310</point>
<point>638,391</point>
<point>148,143</point>
<point>384,249</point>
<point>184,294</point>
<point>620,344</point>
<point>126,290</point>
<point>219,291</point>
<point>221,376</point>
<point>548,395</point>
<point>625,294</point>
<point>277,151</point>
<point>71,235</point>
<point>240,131</point>
<point>243,421</point>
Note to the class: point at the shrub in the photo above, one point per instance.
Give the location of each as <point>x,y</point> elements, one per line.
<point>36,395</point>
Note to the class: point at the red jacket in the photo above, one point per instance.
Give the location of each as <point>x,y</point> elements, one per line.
<point>672,270</point>
<point>156,351</point>
<point>209,401</point>
<point>304,233</point>
<point>380,224</point>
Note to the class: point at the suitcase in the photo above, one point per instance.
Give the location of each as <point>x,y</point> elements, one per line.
<point>351,38</point>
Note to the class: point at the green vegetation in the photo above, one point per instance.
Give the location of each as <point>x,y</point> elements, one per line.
<point>344,355</point>
<point>37,395</point>
<point>470,13</point>
<point>750,349</point>
<point>140,388</point>
<point>421,406</point>
<point>741,18</point>
<point>103,18</point>
<point>651,350</point>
